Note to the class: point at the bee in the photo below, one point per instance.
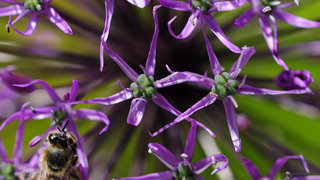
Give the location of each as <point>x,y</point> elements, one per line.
<point>58,158</point>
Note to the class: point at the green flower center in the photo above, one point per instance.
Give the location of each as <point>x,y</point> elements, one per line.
<point>184,172</point>
<point>7,171</point>
<point>204,5</point>
<point>143,87</point>
<point>59,116</point>
<point>224,85</point>
<point>35,5</point>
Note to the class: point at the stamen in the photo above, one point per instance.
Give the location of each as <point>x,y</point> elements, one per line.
<point>288,175</point>
<point>150,151</point>
<point>33,110</point>
<point>266,9</point>
<point>214,161</point>
<point>183,155</point>
<point>8,28</point>
<point>38,7</point>
<point>275,3</point>
<point>234,102</point>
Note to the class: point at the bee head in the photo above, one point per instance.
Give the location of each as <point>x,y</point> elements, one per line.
<point>62,138</point>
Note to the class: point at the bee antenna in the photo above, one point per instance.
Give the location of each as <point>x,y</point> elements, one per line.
<point>65,125</point>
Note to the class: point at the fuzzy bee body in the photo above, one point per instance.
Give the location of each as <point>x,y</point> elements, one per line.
<point>58,157</point>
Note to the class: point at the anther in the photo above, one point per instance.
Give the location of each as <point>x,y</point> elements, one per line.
<point>33,110</point>
<point>183,155</point>
<point>8,28</point>
<point>214,161</point>
<point>149,151</point>
<point>266,9</point>
<point>38,7</point>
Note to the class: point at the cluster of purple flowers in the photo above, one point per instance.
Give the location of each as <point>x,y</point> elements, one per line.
<point>144,87</point>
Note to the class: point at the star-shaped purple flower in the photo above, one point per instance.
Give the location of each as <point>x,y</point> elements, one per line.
<point>143,87</point>
<point>202,9</point>
<point>256,175</point>
<point>109,6</point>
<point>182,168</point>
<point>60,112</point>
<point>16,164</point>
<point>267,11</point>
<point>223,87</point>
<point>35,8</point>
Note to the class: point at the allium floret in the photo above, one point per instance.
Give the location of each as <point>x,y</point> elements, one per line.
<point>181,167</point>
<point>35,8</point>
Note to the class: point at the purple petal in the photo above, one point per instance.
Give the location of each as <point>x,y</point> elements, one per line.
<point>176,5</point>
<point>3,154</point>
<point>271,40</point>
<point>281,161</point>
<point>214,62</point>
<point>92,115</point>
<point>138,105</point>
<point>227,5</point>
<point>246,89</point>
<point>56,19</point>
<point>151,60</point>
<point>205,101</point>
<point>295,20</point>
<point>215,28</point>
<point>306,178</point>
<point>282,6</point>
<point>109,6</point>
<point>74,90</point>
<point>189,27</point>
<point>31,26</point>
<point>114,99</point>
<point>55,98</point>
<point>244,57</point>
<point>191,139</point>
<point>203,164</point>
<point>181,77</point>
<point>232,123</point>
<point>11,2</point>
<point>165,175</point>
<point>252,169</point>
<point>11,10</point>
<point>122,64</point>
<point>139,3</point>
<point>161,101</point>
<point>37,139</point>
<point>244,18</point>
<point>82,156</point>
<point>165,156</point>
<point>42,113</point>
<point>18,146</point>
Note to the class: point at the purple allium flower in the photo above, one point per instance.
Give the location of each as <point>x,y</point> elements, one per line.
<point>182,168</point>
<point>267,11</point>
<point>60,112</point>
<point>16,165</point>
<point>293,79</point>
<point>8,77</point>
<point>109,6</point>
<point>143,87</point>
<point>202,9</point>
<point>256,175</point>
<point>36,8</point>
<point>223,86</point>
